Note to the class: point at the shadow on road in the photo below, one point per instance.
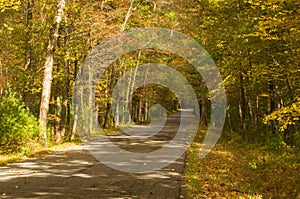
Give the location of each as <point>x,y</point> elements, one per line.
<point>75,173</point>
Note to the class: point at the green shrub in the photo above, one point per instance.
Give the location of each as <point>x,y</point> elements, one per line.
<point>18,127</point>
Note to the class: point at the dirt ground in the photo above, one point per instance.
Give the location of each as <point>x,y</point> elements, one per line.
<point>74,173</point>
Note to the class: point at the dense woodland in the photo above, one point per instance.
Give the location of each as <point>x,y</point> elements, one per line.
<point>255,45</point>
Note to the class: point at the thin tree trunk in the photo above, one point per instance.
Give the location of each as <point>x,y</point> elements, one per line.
<point>1,76</point>
<point>140,111</point>
<point>145,118</point>
<point>229,118</point>
<point>131,86</point>
<point>125,118</point>
<point>108,104</point>
<point>73,133</point>
<point>129,12</point>
<point>28,18</point>
<point>91,101</point>
<point>117,117</point>
<point>125,109</point>
<point>28,52</point>
<point>48,70</point>
<point>272,102</point>
<point>146,110</point>
<point>65,101</point>
<point>243,103</point>
<point>66,88</point>
<point>204,108</point>
<point>58,134</point>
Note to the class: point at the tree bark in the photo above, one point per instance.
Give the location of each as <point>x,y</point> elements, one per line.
<point>73,133</point>
<point>243,103</point>
<point>204,108</point>
<point>108,104</point>
<point>28,14</point>
<point>48,70</point>
<point>129,12</point>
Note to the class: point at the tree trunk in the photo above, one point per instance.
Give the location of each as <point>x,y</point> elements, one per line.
<point>73,132</point>
<point>108,104</point>
<point>204,108</point>
<point>66,88</point>
<point>129,12</point>
<point>28,48</point>
<point>48,70</point>
<point>125,118</point>
<point>91,101</point>
<point>58,134</point>
<point>272,103</point>
<point>243,103</point>
<point>28,18</point>
<point>117,116</point>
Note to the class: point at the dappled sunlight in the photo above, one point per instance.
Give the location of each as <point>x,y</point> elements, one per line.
<point>66,173</point>
<point>49,165</point>
<point>226,154</point>
<point>241,171</point>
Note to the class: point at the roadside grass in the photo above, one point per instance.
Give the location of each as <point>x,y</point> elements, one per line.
<point>37,150</point>
<point>111,130</point>
<point>236,169</point>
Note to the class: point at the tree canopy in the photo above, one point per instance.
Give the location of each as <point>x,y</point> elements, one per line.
<point>254,43</point>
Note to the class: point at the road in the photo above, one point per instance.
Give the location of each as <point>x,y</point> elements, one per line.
<point>74,173</point>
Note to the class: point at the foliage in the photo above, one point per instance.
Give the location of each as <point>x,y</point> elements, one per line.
<point>255,44</point>
<point>286,116</point>
<point>237,169</point>
<point>18,128</point>
<point>9,4</point>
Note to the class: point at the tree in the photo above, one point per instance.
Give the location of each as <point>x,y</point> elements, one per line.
<point>48,70</point>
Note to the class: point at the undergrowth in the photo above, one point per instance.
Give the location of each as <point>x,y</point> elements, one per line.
<point>237,169</point>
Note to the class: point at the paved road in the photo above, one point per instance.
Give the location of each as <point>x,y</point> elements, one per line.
<point>75,173</point>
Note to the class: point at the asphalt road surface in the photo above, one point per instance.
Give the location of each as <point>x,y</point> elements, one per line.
<point>74,173</point>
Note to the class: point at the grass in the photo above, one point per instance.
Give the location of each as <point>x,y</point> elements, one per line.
<point>38,149</point>
<point>236,169</point>
<point>110,131</point>
<point>11,158</point>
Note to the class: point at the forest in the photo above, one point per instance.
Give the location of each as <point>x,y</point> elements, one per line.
<point>255,45</point>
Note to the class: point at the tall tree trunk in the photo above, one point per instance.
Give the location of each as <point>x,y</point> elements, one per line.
<point>28,18</point>
<point>1,77</point>
<point>129,12</point>
<point>272,102</point>
<point>126,107</point>
<point>91,101</point>
<point>48,70</point>
<point>117,116</point>
<point>204,108</point>
<point>108,104</point>
<point>65,101</point>
<point>73,131</point>
<point>140,115</point>
<point>243,103</point>
<point>204,105</point>
<point>28,49</point>
<point>66,87</point>
<point>125,118</point>
<point>146,117</point>
<point>58,134</point>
